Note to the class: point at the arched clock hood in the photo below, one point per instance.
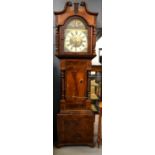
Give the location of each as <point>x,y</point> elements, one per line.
<point>79,11</point>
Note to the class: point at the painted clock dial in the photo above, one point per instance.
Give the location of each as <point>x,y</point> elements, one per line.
<point>76,37</point>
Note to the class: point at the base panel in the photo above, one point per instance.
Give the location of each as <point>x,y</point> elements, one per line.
<point>75,128</point>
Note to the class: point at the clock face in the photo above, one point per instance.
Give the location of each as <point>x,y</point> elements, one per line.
<point>76,37</point>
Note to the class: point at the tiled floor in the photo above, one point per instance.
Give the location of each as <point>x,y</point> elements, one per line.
<point>80,150</point>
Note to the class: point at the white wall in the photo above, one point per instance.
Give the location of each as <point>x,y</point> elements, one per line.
<point>128,77</point>
<point>26,77</point>
<point>99,44</point>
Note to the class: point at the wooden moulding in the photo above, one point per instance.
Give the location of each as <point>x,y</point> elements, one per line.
<point>81,12</point>
<point>68,11</point>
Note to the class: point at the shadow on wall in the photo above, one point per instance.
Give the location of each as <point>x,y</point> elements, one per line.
<point>56,98</point>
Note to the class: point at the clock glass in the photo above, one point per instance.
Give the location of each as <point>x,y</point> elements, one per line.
<point>76,37</point>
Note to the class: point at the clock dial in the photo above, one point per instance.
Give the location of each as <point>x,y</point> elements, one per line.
<point>76,37</point>
<point>76,41</point>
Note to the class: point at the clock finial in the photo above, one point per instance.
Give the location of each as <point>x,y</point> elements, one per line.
<point>68,2</point>
<point>82,3</point>
<point>76,5</point>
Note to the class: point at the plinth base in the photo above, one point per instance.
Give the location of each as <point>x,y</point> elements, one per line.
<point>75,128</point>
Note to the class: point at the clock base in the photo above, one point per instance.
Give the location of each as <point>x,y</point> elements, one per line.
<point>71,144</point>
<point>75,128</point>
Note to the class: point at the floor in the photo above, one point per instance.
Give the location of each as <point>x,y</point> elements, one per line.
<point>80,150</point>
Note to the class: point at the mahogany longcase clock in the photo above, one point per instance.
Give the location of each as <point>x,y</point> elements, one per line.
<point>75,47</point>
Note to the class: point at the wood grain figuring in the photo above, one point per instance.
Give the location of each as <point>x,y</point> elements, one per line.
<point>71,131</point>
<point>75,83</point>
<point>75,121</point>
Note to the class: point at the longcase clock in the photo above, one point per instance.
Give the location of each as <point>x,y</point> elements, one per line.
<point>75,47</point>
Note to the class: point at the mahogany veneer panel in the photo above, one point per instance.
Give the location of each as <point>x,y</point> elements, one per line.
<point>75,128</point>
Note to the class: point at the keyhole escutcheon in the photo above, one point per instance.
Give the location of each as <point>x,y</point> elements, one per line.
<point>81,81</point>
